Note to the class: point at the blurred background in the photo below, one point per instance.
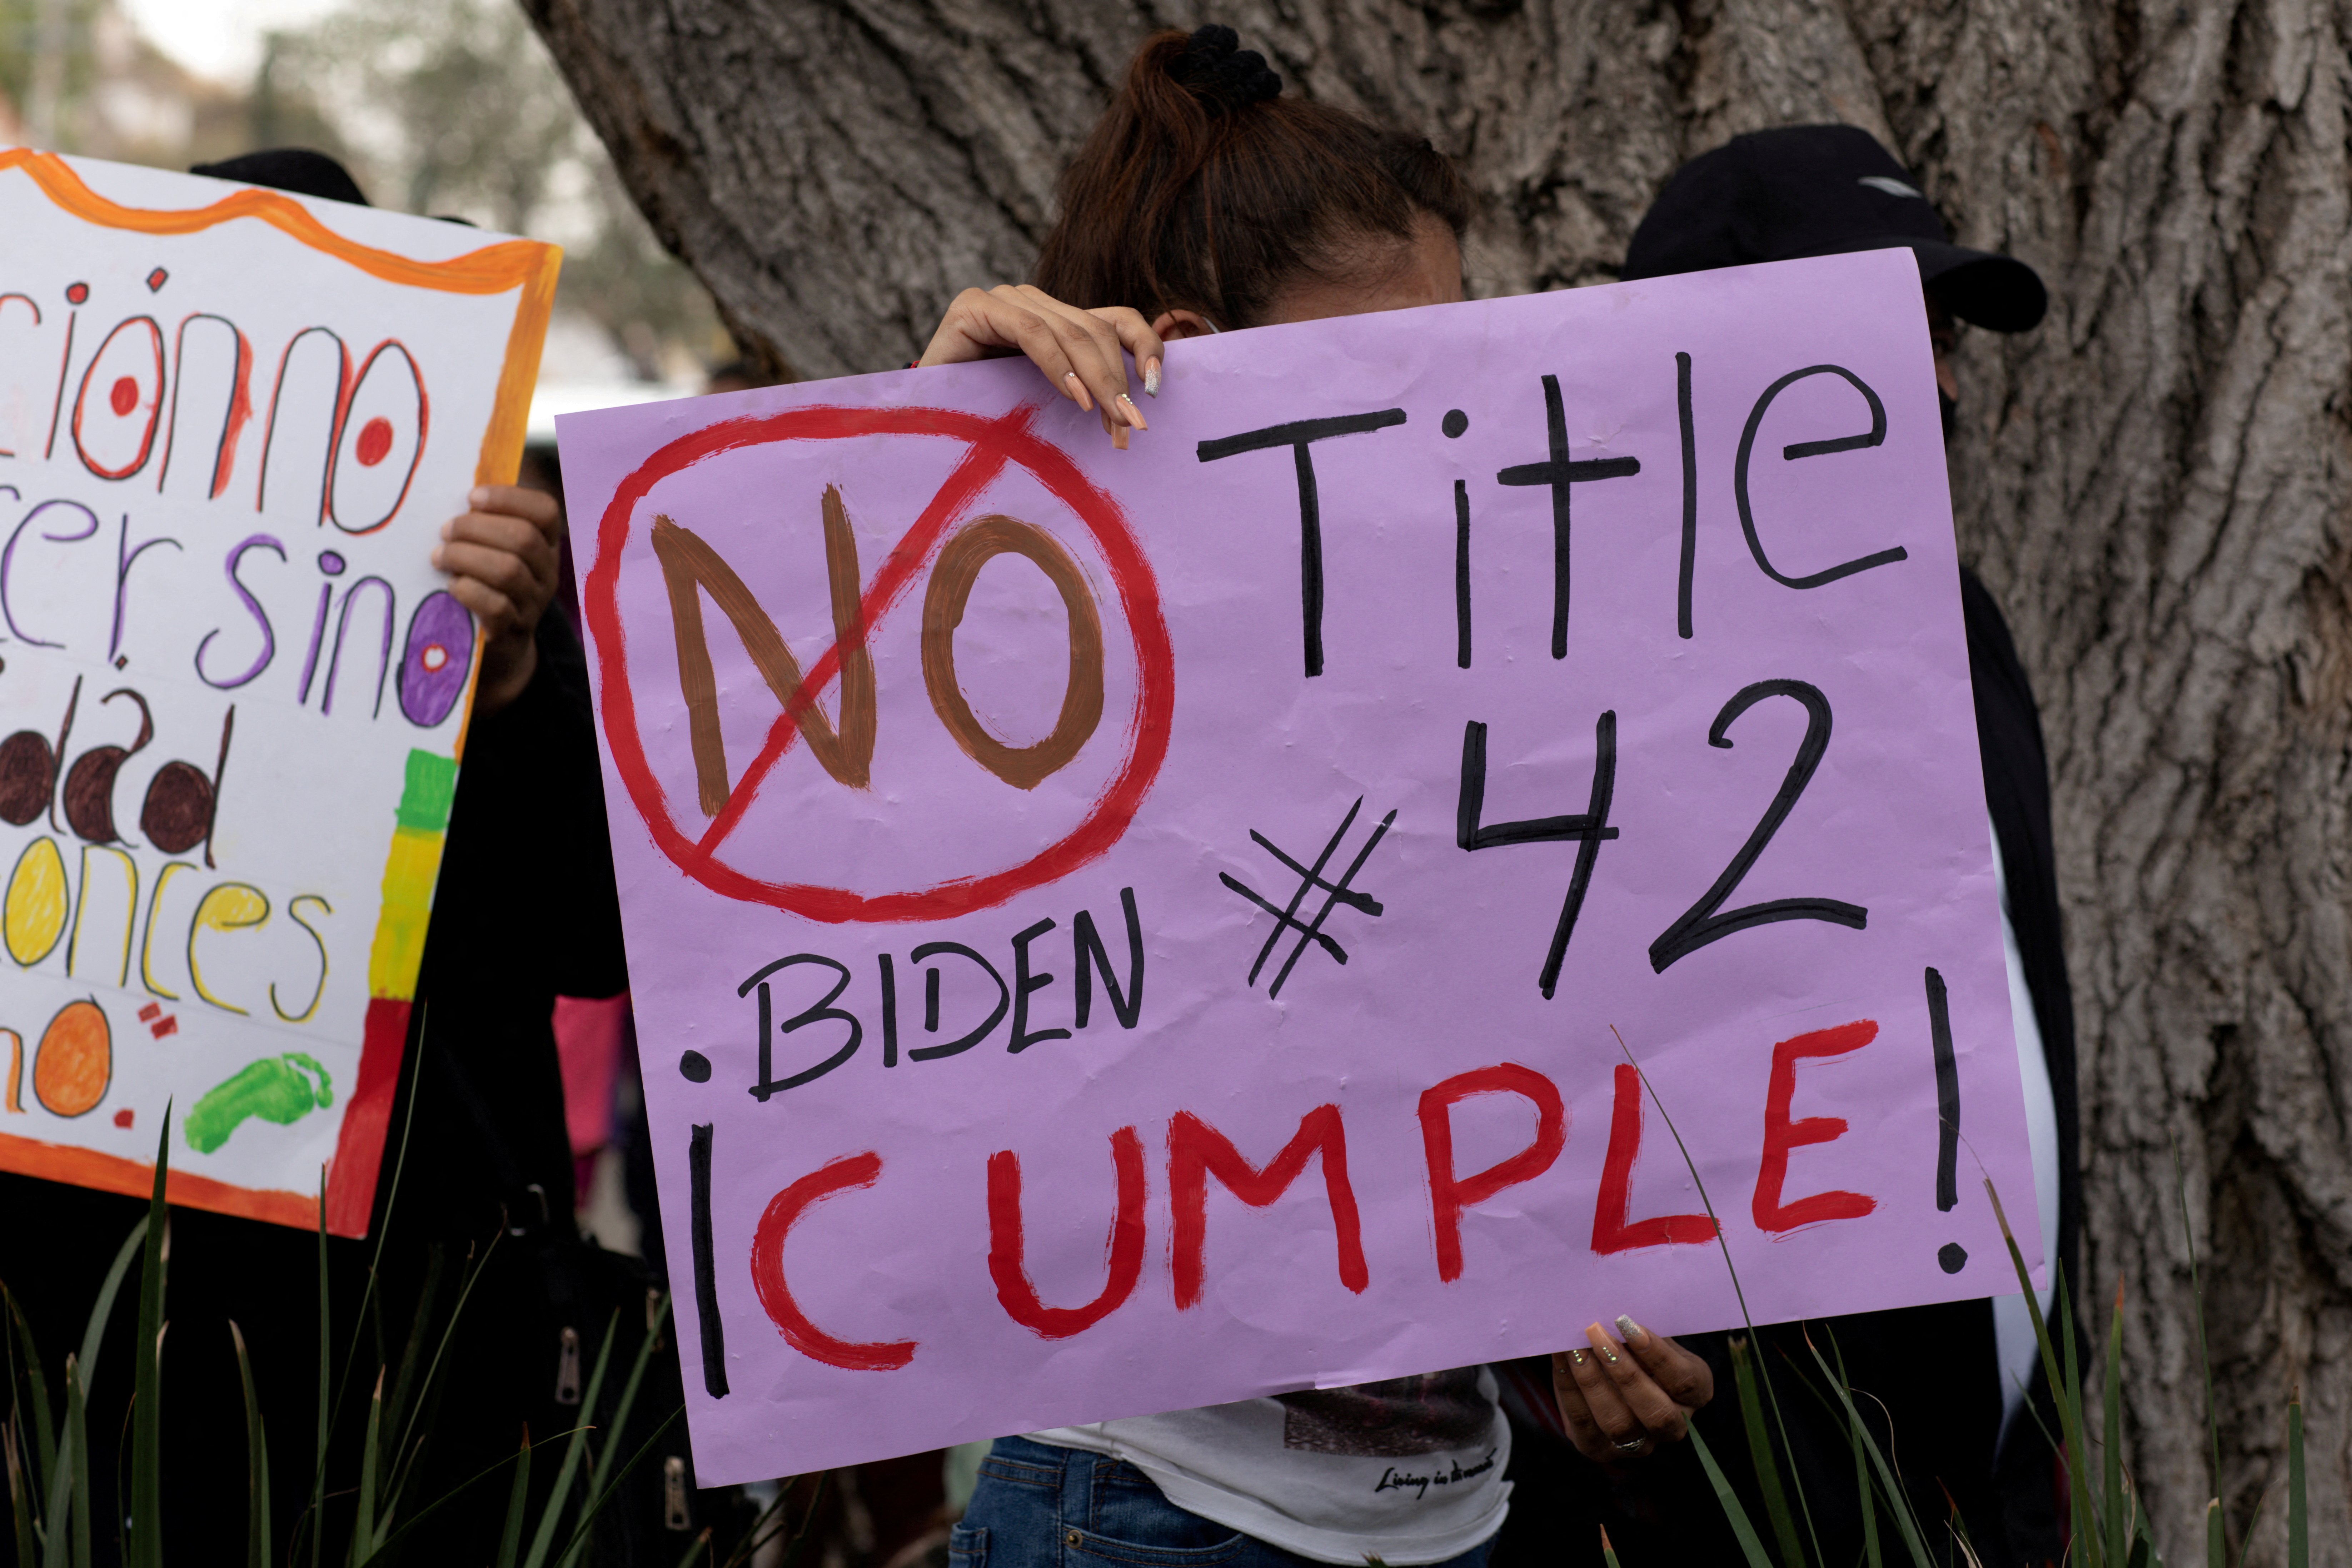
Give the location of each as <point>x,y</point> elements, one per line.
<point>448,107</point>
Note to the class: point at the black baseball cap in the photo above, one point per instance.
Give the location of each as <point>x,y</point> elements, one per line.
<point>1823,190</point>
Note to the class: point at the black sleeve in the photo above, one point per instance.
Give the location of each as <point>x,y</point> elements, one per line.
<point>526,895</point>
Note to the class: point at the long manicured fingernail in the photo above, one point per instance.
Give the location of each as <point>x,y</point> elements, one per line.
<point>1152,376</point>
<point>1134,414</point>
<point>1631,1331</point>
<point>1602,1344</point>
<point>1077,390</point>
<point>1577,1357</point>
<point>1118,438</point>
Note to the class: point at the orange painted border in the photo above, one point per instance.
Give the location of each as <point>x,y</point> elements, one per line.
<point>530,265</point>
<point>136,1178</point>
<point>525,264</point>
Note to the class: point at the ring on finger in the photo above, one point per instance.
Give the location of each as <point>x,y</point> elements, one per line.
<point>1632,1448</point>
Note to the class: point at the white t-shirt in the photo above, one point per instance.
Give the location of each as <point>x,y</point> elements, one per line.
<point>1409,1471</point>
<point>2015,1348</point>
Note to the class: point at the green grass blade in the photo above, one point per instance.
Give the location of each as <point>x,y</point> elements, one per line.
<point>257,1462</point>
<point>2069,1440</point>
<point>147,1374</point>
<point>364,1529</point>
<point>20,1490</point>
<point>1871,1552</point>
<point>609,1451</point>
<point>510,1537</point>
<point>1759,1448</point>
<point>771,1521</point>
<point>1894,1488</point>
<point>1608,1552</point>
<point>695,1547</point>
<point>75,1464</point>
<point>2112,1399</point>
<point>2078,1465</point>
<point>807,1531</point>
<point>370,1315</point>
<point>94,1331</point>
<point>2298,1514</point>
<point>553,1514</point>
<point>1749,1546</point>
<point>2196,1299</point>
<point>1739,1293</point>
<point>70,1480</point>
<point>45,1431</point>
<point>403,1382</point>
<point>2216,1549</point>
<point>448,1332</point>
<point>392,1542</point>
<point>319,1469</point>
<point>597,1501</point>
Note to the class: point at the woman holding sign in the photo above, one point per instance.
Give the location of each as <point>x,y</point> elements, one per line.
<point>1216,204</point>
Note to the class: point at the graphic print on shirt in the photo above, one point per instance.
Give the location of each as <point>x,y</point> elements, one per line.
<point>1390,1419</point>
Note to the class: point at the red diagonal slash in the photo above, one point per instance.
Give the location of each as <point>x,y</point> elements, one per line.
<point>993,443</point>
<point>897,574</point>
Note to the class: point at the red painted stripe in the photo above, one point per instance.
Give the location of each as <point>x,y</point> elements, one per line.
<point>359,1148</point>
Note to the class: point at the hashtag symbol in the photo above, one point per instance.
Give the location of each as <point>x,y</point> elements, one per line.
<point>1311,877</point>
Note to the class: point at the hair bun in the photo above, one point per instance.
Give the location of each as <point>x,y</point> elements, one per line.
<point>1213,68</point>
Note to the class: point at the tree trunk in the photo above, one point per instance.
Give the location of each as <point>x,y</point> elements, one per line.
<point>2155,483</point>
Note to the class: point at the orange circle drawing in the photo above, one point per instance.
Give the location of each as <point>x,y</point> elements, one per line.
<point>76,1060</point>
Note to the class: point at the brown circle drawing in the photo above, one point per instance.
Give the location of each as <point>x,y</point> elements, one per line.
<point>89,783</point>
<point>972,547</point>
<point>28,772</point>
<point>76,1060</point>
<point>178,810</point>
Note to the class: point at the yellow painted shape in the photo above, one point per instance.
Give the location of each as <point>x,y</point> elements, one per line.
<point>399,948</point>
<point>33,915</point>
<point>130,914</point>
<point>147,942</point>
<point>232,906</point>
<point>294,912</point>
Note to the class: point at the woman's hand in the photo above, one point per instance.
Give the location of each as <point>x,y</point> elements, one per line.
<point>1622,1402</point>
<point>501,561</point>
<point>1083,353</point>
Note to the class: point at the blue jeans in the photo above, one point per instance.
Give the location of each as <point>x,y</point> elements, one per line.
<point>1038,1506</point>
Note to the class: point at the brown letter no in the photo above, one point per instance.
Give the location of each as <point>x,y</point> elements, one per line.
<point>691,568</point>
<point>973,546</point>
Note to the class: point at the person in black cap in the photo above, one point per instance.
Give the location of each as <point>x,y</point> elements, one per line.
<point>525,909</point>
<point>1952,1380</point>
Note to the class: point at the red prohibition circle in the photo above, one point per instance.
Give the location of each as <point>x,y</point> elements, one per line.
<point>992,443</point>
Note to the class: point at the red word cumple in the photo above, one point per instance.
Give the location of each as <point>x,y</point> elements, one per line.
<point>1197,1153</point>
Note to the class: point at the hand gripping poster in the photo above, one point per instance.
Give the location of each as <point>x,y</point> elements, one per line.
<point>1116,932</point>
<point>233,691</point>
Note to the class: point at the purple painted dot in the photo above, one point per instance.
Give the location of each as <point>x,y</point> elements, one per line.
<point>330,563</point>
<point>437,658</point>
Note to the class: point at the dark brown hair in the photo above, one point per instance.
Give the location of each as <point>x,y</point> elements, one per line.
<point>1199,188</point>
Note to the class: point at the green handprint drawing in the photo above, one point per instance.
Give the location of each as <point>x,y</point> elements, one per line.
<point>276,1088</point>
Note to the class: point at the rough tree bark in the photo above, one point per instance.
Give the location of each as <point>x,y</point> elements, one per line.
<point>2155,483</point>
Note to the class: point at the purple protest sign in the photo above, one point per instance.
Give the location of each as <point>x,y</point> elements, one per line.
<point>1122,931</point>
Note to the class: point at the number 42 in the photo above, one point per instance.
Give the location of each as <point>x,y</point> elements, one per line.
<point>1706,921</point>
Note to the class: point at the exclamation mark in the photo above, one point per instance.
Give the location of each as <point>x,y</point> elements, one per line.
<point>1952,1256</point>
<point>1455,423</point>
<point>706,1264</point>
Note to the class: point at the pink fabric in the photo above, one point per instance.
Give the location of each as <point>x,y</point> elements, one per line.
<point>588,1043</point>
